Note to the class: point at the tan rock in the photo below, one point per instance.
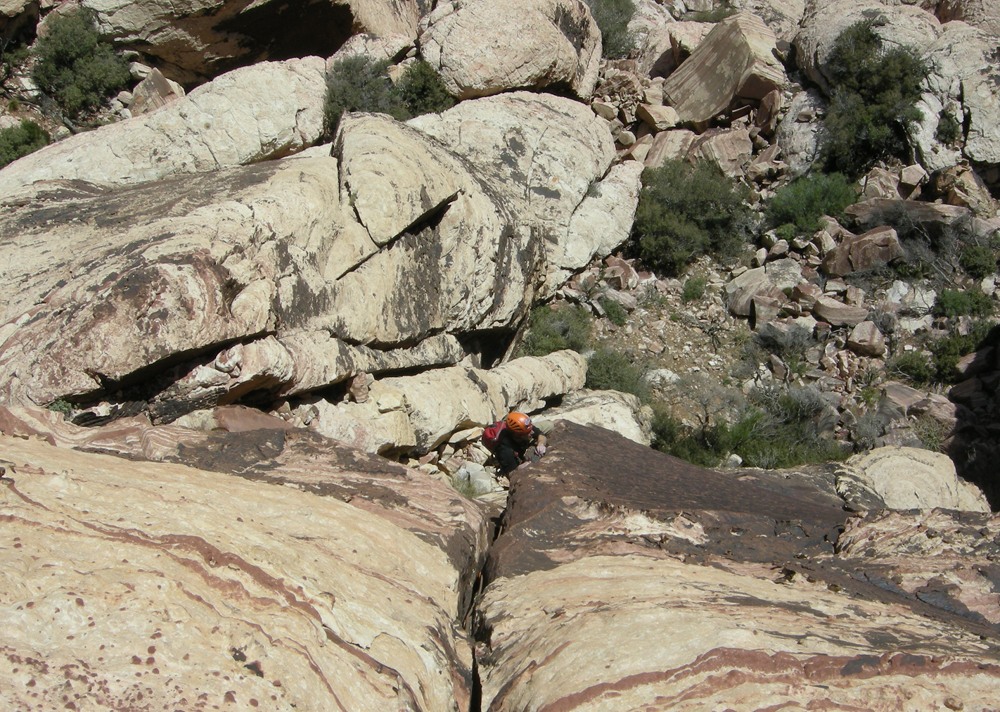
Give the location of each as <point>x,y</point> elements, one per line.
<point>659,118</point>
<point>612,410</point>
<point>729,149</point>
<point>860,252</point>
<point>482,47</point>
<point>865,339</point>
<point>836,313</point>
<point>153,92</point>
<point>735,61</point>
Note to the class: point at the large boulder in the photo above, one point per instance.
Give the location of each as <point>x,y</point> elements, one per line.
<point>194,40</point>
<point>319,578</point>
<point>551,159</point>
<point>782,16</point>
<point>483,47</point>
<point>799,132</point>
<point>735,61</point>
<point>910,478</point>
<point>619,412</point>
<point>281,277</point>
<point>858,253</point>
<point>824,20</point>
<point>979,13</point>
<point>626,579</point>
<point>219,125</point>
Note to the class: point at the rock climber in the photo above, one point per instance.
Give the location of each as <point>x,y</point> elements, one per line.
<point>520,441</point>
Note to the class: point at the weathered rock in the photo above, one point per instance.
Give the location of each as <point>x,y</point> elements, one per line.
<point>548,158</point>
<point>824,21</point>
<point>910,478</point>
<point>782,16</point>
<point>618,412</point>
<point>252,593</point>
<point>836,313</point>
<point>865,339</point>
<point>481,47</point>
<point>735,61</point>
<point>932,218</point>
<point>959,185</point>
<point>659,118</point>
<point>729,149</point>
<point>798,132</point>
<point>15,15</point>
<point>153,92</point>
<point>215,126</point>
<point>591,572</point>
<point>669,44</point>
<point>771,280</point>
<point>668,146</point>
<point>856,253</point>
<point>979,13</point>
<point>195,40</point>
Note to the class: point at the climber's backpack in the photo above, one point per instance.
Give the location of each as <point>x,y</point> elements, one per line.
<point>491,434</point>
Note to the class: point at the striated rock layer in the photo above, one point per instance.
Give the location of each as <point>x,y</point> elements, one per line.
<point>333,581</point>
<point>624,579</point>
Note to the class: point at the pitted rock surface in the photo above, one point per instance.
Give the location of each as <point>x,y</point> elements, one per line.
<point>131,584</point>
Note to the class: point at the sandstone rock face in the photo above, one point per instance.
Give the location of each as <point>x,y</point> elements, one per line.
<point>735,61</point>
<point>862,252</point>
<point>782,16</point>
<point>823,21</point>
<point>798,132</point>
<point>618,412</point>
<point>771,280</point>
<point>629,589</point>
<point>549,158</point>
<point>219,125</point>
<point>909,478</point>
<point>171,586</point>
<point>979,13</point>
<point>481,47</point>
<point>958,84</point>
<point>195,264</point>
<point>195,40</point>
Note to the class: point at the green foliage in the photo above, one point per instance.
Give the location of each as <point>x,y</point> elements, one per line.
<point>694,288</point>
<point>61,406</point>
<point>873,102</point>
<point>717,14</point>
<point>18,141</point>
<point>912,365</point>
<point>952,303</point>
<point>978,261</point>
<point>948,130</point>
<point>360,84</point>
<point>75,66</point>
<point>948,350</point>
<point>612,17</point>
<point>554,329</point>
<point>786,232</point>
<point>802,202</point>
<point>610,370</point>
<point>686,211</point>
<point>422,90</point>
<point>614,311</point>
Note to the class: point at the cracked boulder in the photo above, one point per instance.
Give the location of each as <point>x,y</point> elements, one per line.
<point>275,278</point>
<point>484,47</point>
<point>319,577</point>
<point>219,125</point>
<point>627,579</point>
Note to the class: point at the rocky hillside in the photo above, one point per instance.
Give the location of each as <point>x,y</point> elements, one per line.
<point>248,343</point>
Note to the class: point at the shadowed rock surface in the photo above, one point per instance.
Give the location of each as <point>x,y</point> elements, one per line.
<point>626,579</point>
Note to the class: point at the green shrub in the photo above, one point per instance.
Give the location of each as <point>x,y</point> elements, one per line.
<point>422,90</point>
<point>612,18</point>
<point>18,141</point>
<point>694,288</point>
<point>715,15</point>
<point>360,84</point>
<point>554,329</point>
<point>873,102</point>
<point>614,311</point>
<point>948,350</point>
<point>978,261</point>
<point>686,211</point>
<point>610,370</point>
<point>786,232</point>
<point>802,202</point>
<point>948,130</point>
<point>912,365</point>
<point>75,66</point>
<point>952,303</point>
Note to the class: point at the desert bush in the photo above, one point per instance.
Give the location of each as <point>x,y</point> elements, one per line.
<point>802,202</point>
<point>75,65</point>
<point>914,366</point>
<point>978,261</point>
<point>949,349</point>
<point>868,430</point>
<point>359,83</point>
<point>953,302</point>
<point>614,311</point>
<point>694,288</point>
<point>554,329</point>
<point>612,17</point>
<point>21,140</point>
<point>610,370</point>
<point>717,14</point>
<point>422,90</point>
<point>686,211</point>
<point>948,129</point>
<point>873,102</point>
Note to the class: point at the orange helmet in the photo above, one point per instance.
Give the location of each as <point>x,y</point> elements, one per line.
<point>518,423</point>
